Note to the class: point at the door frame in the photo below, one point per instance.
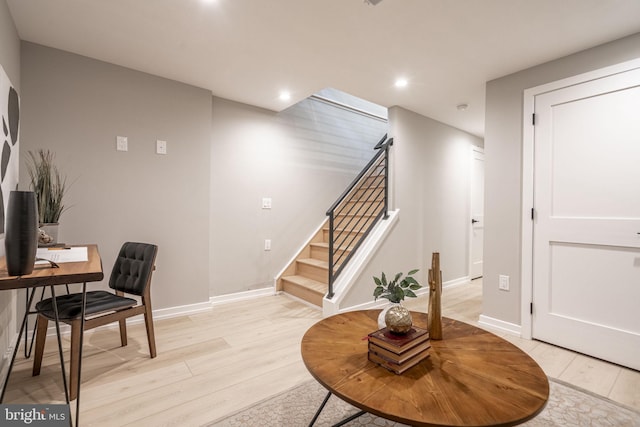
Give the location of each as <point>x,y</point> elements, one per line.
<point>528,170</point>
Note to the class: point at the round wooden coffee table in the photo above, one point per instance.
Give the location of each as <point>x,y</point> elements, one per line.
<point>471,378</point>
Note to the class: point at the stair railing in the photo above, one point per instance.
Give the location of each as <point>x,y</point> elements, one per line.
<point>357,210</point>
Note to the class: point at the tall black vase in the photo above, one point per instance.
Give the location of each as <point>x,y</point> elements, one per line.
<point>21,234</point>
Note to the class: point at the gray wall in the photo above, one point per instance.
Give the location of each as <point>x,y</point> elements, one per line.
<point>76,106</point>
<point>10,61</point>
<point>201,203</point>
<point>503,166</point>
<point>431,166</point>
<point>302,158</point>
<point>9,46</point>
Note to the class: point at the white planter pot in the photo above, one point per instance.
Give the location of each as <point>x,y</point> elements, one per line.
<point>51,230</point>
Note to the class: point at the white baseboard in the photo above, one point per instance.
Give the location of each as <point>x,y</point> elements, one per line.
<point>370,305</point>
<point>163,313</point>
<point>500,325</point>
<point>65,329</point>
<point>240,296</point>
<point>181,310</point>
<point>465,280</point>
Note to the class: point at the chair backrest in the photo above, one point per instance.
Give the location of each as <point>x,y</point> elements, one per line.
<point>133,268</point>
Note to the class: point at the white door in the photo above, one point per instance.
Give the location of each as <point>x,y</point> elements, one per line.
<point>586,239</point>
<point>477,212</point>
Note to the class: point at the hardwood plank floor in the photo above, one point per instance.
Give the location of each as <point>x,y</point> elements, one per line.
<point>238,354</point>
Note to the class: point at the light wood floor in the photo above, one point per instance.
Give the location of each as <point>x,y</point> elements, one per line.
<point>216,363</point>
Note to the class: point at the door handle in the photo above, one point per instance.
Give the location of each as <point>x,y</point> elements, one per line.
<point>473,221</point>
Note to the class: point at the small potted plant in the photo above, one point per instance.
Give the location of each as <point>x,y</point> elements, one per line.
<point>396,317</point>
<point>49,186</point>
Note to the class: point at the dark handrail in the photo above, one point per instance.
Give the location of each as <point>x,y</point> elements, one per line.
<point>378,146</point>
<point>370,190</point>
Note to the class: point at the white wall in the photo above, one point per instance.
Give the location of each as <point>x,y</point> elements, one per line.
<point>503,167</point>
<point>76,106</point>
<point>430,168</point>
<point>301,158</point>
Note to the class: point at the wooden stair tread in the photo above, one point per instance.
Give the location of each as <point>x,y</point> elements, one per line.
<point>307,283</point>
<point>315,262</point>
<point>365,199</point>
<point>344,230</point>
<point>326,245</point>
<point>357,215</point>
<point>369,186</point>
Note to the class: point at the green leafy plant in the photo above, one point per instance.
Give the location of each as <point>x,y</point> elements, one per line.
<point>397,289</point>
<point>48,184</point>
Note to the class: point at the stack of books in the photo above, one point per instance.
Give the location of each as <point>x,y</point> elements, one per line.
<point>398,353</point>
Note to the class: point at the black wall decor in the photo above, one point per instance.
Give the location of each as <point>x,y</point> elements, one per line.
<point>9,137</point>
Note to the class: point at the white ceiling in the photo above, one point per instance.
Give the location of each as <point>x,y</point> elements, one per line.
<point>250,50</point>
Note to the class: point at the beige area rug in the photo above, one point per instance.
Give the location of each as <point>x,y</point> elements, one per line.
<point>567,406</point>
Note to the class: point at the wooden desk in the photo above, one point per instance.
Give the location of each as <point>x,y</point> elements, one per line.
<point>44,275</point>
<point>472,376</point>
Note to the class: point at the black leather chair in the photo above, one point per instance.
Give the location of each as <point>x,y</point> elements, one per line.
<point>131,274</point>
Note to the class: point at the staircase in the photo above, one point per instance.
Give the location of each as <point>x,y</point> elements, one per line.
<point>307,277</point>
<point>310,276</point>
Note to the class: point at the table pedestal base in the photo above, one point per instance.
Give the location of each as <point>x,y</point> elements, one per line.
<point>341,423</point>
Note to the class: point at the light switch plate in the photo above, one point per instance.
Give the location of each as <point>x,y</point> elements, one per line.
<point>122,143</point>
<point>503,282</point>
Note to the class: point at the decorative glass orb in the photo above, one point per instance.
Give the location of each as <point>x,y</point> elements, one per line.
<point>398,320</point>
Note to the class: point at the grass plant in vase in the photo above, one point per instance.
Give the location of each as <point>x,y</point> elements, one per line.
<point>50,186</point>
<point>396,317</point>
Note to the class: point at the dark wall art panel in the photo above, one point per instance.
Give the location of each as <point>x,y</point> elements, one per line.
<point>9,137</point>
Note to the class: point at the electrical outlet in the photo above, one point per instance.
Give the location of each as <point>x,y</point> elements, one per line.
<point>266,203</point>
<point>503,282</point>
<point>161,147</point>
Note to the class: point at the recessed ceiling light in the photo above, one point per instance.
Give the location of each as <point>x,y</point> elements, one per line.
<point>401,82</point>
<point>285,96</point>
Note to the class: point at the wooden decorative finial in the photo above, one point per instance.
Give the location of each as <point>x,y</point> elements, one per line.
<point>434,316</point>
